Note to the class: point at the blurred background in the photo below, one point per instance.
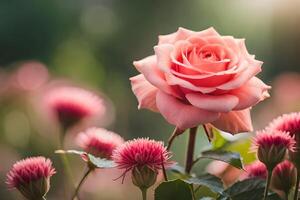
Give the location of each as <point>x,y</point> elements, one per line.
<point>92,43</point>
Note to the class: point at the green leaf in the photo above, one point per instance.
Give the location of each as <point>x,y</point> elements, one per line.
<point>174,190</point>
<point>249,189</point>
<point>212,182</point>
<point>101,162</point>
<point>218,140</point>
<point>97,162</point>
<point>231,158</point>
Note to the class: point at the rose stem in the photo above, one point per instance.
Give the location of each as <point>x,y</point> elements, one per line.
<point>175,133</point>
<point>268,183</point>
<point>80,183</point>
<point>190,150</point>
<point>297,184</point>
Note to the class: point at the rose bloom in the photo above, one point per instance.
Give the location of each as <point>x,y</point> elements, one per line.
<point>99,142</point>
<point>200,77</point>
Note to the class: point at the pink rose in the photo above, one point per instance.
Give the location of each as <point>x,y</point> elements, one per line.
<point>200,77</point>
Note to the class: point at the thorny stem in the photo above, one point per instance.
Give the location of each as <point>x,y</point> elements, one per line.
<point>190,150</point>
<point>175,133</point>
<point>267,184</point>
<point>80,183</point>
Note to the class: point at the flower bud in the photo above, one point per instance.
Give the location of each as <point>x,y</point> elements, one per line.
<point>272,146</point>
<point>31,177</point>
<point>35,189</point>
<point>143,177</point>
<point>284,177</point>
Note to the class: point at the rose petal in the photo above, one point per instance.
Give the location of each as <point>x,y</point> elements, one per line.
<point>251,93</point>
<point>182,115</point>
<point>234,122</point>
<point>214,103</point>
<point>250,70</point>
<point>180,34</point>
<point>148,68</point>
<point>145,92</point>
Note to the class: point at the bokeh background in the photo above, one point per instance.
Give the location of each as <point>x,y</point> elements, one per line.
<point>92,43</point>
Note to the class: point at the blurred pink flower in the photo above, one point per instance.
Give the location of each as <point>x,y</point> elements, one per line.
<point>141,152</point>
<point>31,75</point>
<point>31,176</point>
<point>255,169</point>
<point>99,142</point>
<point>200,77</point>
<point>72,104</point>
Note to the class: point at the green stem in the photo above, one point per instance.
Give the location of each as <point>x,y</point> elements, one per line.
<point>268,184</point>
<point>297,184</point>
<point>190,150</point>
<point>80,183</point>
<point>67,168</point>
<point>144,193</point>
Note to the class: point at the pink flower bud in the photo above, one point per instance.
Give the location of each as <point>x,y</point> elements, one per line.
<point>31,177</point>
<point>272,146</point>
<point>290,123</point>
<point>284,177</point>
<point>256,169</point>
<point>141,155</point>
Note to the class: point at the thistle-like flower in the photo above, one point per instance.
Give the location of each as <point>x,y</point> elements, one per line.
<point>256,169</point>
<point>284,177</point>
<point>31,177</point>
<point>271,146</point>
<point>290,123</point>
<point>143,157</point>
<point>71,104</point>
<point>99,142</point>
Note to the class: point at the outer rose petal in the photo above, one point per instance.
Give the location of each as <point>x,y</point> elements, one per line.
<point>251,93</point>
<point>145,92</point>
<point>182,115</point>
<point>214,103</point>
<point>148,68</point>
<point>234,122</point>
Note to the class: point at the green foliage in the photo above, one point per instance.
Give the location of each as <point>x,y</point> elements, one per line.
<point>212,182</point>
<point>174,190</point>
<point>238,143</point>
<point>95,161</point>
<point>249,189</point>
<point>231,158</point>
